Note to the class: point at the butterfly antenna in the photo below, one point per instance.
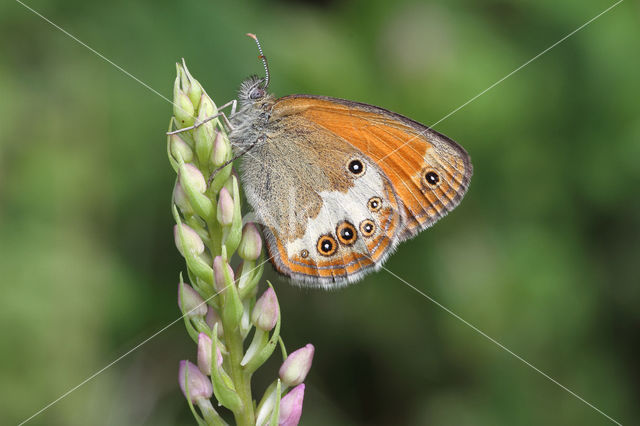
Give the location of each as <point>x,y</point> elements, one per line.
<point>264,60</point>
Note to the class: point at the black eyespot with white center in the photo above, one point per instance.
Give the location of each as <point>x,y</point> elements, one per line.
<point>347,234</point>
<point>304,253</point>
<point>374,204</point>
<point>431,178</point>
<point>367,227</point>
<point>327,245</point>
<point>356,167</point>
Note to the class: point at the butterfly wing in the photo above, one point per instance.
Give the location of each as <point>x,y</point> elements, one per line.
<point>429,172</point>
<point>320,223</point>
<point>327,223</point>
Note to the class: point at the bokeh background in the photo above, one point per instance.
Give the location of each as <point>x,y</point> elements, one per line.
<point>542,254</point>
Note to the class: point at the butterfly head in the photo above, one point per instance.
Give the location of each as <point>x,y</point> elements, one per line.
<point>253,90</point>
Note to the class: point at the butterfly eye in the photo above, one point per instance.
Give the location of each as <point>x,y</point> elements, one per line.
<point>374,204</point>
<point>367,227</point>
<point>356,167</point>
<point>346,233</point>
<point>431,178</point>
<point>256,93</point>
<point>327,245</point>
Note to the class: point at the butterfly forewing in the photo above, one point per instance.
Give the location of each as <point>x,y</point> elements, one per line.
<point>428,171</point>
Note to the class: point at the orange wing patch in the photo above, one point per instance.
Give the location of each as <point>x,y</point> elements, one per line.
<point>404,149</point>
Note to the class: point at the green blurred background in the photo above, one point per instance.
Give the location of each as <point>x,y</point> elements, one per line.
<point>542,254</point>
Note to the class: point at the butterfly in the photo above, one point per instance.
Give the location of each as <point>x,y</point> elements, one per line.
<point>337,184</point>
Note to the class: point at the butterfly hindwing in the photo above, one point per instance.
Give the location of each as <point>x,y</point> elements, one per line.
<point>327,220</point>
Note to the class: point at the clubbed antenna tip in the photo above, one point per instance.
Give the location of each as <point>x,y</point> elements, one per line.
<point>264,59</point>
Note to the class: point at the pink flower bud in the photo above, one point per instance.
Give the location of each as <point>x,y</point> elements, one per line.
<point>291,407</point>
<point>225,207</point>
<point>251,243</point>
<point>190,302</point>
<point>198,384</point>
<point>220,150</point>
<point>265,312</point>
<point>212,319</point>
<point>204,354</point>
<point>192,241</point>
<point>297,365</point>
<point>218,273</point>
<point>191,176</point>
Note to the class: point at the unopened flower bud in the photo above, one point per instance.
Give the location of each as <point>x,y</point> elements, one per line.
<point>291,407</point>
<point>221,150</point>
<point>251,243</point>
<point>181,200</point>
<point>190,302</point>
<point>297,365</point>
<point>187,240</point>
<point>212,319</point>
<point>198,385</point>
<point>183,109</point>
<point>218,273</point>
<point>190,84</point>
<point>204,354</point>
<point>204,134</point>
<point>265,312</point>
<point>225,207</point>
<point>191,176</point>
<point>194,92</point>
<point>180,149</point>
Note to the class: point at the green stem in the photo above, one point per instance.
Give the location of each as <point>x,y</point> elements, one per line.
<point>241,379</point>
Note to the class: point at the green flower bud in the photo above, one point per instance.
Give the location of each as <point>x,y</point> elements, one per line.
<point>251,243</point>
<point>191,178</point>
<point>185,83</point>
<point>195,89</point>
<point>180,149</point>
<point>183,109</point>
<point>195,93</point>
<point>204,134</point>
<point>194,185</point>
<point>181,200</point>
<point>187,240</point>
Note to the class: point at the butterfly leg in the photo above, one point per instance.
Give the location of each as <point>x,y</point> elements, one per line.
<point>197,124</point>
<point>233,103</point>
